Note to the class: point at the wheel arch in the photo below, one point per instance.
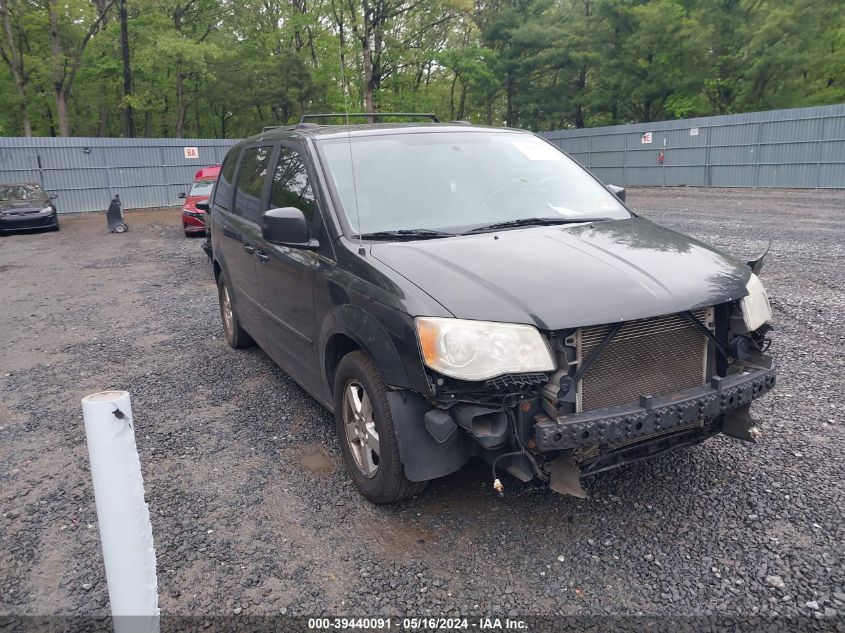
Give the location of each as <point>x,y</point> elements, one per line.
<point>350,327</point>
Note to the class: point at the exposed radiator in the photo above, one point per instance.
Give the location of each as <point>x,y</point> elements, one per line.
<point>653,356</point>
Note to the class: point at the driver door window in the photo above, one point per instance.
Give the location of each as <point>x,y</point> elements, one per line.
<point>290,186</point>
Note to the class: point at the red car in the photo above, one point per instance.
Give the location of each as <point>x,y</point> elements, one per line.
<point>193,220</point>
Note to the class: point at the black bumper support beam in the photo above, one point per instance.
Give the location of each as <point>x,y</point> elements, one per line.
<point>679,410</point>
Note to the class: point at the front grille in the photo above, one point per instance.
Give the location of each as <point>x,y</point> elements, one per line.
<point>655,357</point>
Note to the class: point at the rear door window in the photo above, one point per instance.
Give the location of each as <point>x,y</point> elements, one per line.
<point>250,184</point>
<point>223,191</point>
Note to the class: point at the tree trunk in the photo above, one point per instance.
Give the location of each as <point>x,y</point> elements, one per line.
<point>59,74</point>
<point>509,122</point>
<point>452,97</point>
<point>462,107</point>
<point>103,127</point>
<point>14,59</point>
<point>197,128</point>
<point>65,65</point>
<point>128,112</point>
<point>61,111</point>
<point>180,100</point>
<point>581,84</point>
<point>369,97</point>
<point>51,125</point>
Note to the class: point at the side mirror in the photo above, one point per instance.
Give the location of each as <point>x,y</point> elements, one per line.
<point>202,206</point>
<point>619,192</point>
<point>287,226</point>
<point>53,196</point>
<point>182,195</point>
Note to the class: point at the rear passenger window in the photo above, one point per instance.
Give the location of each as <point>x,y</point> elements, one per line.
<point>291,187</point>
<point>223,189</point>
<point>250,183</point>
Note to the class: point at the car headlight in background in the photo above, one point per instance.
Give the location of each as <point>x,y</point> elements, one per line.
<point>477,350</point>
<point>46,211</point>
<point>756,309</point>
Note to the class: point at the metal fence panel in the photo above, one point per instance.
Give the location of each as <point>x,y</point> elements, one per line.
<point>87,172</point>
<point>803,147</point>
<point>800,148</point>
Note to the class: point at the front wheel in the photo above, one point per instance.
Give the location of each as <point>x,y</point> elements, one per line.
<point>366,432</point>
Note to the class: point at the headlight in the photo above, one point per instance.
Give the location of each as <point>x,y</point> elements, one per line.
<point>46,211</point>
<point>477,350</point>
<point>756,309</point>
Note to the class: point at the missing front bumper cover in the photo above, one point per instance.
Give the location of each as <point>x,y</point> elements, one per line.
<point>611,425</point>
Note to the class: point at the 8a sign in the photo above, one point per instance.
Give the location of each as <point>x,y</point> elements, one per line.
<point>646,138</point>
<point>192,152</point>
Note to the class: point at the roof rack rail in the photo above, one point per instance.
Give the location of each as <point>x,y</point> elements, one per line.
<point>340,115</point>
<point>267,128</point>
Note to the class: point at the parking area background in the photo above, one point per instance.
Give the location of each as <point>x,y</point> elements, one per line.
<point>253,511</point>
<point>799,147</point>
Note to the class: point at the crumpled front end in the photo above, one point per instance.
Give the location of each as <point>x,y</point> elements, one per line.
<point>622,392</point>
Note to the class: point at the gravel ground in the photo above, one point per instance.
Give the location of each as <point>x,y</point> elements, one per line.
<point>253,513</point>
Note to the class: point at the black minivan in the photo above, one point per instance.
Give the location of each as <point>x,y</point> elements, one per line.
<point>452,291</point>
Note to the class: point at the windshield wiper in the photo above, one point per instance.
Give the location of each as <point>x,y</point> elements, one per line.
<point>404,234</point>
<point>532,222</point>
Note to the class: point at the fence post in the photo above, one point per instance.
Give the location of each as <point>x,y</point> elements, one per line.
<point>625,159</point>
<point>122,514</point>
<point>819,153</point>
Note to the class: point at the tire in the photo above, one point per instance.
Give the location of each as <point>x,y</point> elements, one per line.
<point>236,336</point>
<point>387,483</point>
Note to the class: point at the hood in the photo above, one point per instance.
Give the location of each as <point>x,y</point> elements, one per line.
<point>23,206</point>
<point>191,202</point>
<point>568,276</point>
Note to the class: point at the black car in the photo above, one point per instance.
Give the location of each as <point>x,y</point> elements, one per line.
<point>25,206</point>
<point>452,291</point>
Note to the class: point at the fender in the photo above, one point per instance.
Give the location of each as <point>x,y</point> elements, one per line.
<point>395,352</point>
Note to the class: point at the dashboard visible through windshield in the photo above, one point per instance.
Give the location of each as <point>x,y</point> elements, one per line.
<point>455,182</point>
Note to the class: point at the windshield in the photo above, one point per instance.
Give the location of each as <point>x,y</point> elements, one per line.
<point>456,182</point>
<point>202,188</point>
<point>21,192</point>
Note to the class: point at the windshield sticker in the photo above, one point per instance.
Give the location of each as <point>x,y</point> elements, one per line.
<point>537,150</point>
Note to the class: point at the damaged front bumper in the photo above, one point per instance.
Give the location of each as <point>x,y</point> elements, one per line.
<point>687,409</point>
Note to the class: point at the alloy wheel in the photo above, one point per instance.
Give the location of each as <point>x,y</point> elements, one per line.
<point>360,428</point>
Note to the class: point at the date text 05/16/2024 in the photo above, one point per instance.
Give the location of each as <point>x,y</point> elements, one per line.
<point>417,624</point>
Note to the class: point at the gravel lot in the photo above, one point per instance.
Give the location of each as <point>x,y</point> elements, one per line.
<point>253,513</point>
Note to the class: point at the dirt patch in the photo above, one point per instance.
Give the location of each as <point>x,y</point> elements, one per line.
<point>316,460</point>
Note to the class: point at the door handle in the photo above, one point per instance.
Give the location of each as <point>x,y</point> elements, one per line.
<point>249,249</point>
<point>262,257</point>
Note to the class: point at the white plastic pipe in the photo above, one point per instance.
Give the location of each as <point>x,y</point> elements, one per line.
<point>122,514</point>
